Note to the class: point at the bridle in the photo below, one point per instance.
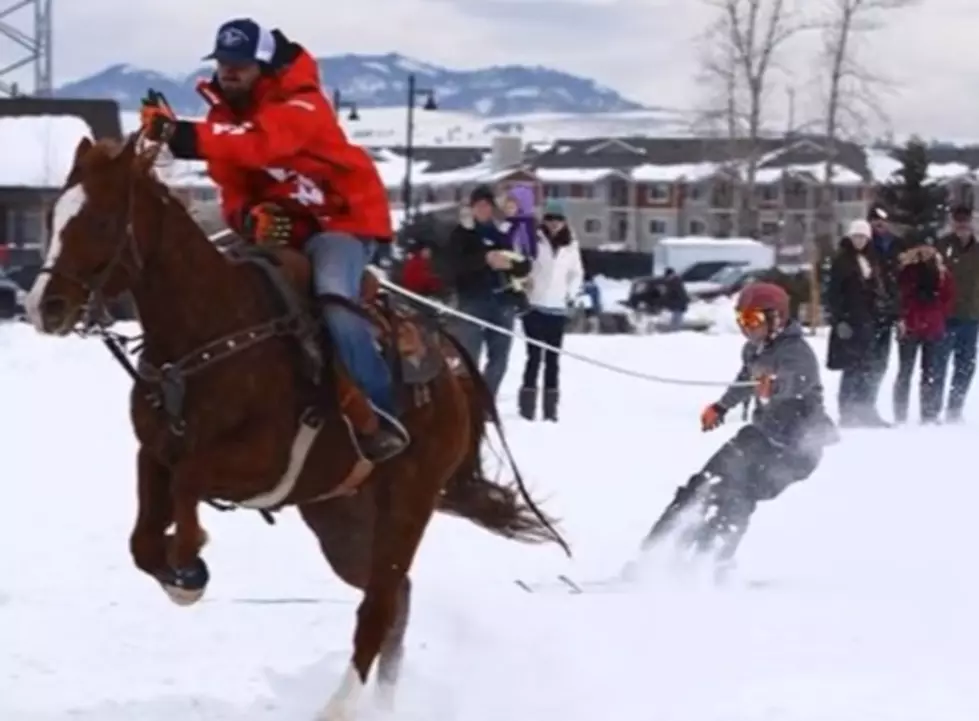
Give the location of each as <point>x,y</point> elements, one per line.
<point>126,255</point>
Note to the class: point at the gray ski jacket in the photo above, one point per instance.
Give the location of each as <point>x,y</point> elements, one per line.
<point>795,403</point>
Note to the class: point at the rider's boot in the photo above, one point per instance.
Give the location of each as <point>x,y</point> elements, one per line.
<point>378,435</point>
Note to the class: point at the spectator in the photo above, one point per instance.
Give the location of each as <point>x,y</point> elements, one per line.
<point>417,274</point>
<point>927,295</point>
<point>853,299</point>
<point>486,274</point>
<point>675,298</point>
<point>555,280</point>
<point>961,256</point>
<point>886,247</point>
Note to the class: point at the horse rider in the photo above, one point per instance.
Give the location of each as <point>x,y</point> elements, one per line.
<point>287,175</point>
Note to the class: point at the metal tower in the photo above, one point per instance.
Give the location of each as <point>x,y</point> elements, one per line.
<point>33,47</point>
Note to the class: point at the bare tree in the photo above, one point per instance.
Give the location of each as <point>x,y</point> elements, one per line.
<point>853,91</point>
<point>748,37</point>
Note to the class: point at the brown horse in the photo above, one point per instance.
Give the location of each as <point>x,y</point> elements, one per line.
<point>236,399</point>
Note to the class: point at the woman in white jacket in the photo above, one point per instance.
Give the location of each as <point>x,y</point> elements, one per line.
<point>555,280</point>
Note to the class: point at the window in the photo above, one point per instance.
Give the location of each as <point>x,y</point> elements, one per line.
<point>848,194</point>
<point>658,192</point>
<point>657,227</point>
<point>25,227</point>
<point>697,227</point>
<point>770,230</point>
<point>553,191</point>
<point>593,226</point>
<point>204,195</point>
<point>695,192</point>
<point>767,192</point>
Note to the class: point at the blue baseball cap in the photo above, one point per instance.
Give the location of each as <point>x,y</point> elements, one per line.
<point>242,41</point>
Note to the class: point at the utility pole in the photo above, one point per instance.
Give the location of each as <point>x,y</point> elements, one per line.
<point>33,47</point>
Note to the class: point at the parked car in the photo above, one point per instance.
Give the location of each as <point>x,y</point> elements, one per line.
<point>726,282</point>
<point>12,298</point>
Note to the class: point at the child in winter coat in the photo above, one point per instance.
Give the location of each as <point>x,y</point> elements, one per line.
<point>783,443</point>
<point>555,279</point>
<point>927,298</point>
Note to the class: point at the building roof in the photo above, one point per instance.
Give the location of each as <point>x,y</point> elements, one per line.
<point>39,137</point>
<point>39,151</point>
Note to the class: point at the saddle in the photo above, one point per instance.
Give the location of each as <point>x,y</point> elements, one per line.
<point>408,339</point>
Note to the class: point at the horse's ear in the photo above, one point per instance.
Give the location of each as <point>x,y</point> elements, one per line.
<point>146,157</point>
<point>84,145</point>
<point>127,153</point>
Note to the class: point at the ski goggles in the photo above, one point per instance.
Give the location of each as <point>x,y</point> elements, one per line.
<point>751,318</point>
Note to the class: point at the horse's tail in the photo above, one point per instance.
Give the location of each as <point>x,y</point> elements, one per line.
<point>506,510</point>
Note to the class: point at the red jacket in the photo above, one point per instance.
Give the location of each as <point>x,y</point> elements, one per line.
<point>289,148</point>
<point>417,276</point>
<point>924,319</point>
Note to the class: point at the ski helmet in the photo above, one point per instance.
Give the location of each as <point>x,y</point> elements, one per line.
<point>766,299</point>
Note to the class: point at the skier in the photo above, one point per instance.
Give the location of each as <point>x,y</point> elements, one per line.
<point>782,444</point>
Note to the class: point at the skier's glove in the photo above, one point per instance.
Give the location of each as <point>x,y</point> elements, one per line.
<point>764,386</point>
<point>712,417</point>
<point>844,331</point>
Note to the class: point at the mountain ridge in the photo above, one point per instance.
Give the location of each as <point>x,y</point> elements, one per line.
<point>373,80</point>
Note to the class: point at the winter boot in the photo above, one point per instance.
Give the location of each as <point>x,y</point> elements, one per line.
<point>551,398</point>
<point>527,402</point>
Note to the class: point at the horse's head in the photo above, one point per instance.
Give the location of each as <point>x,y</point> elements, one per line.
<point>92,255</point>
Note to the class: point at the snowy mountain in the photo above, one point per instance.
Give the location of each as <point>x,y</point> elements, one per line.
<point>381,81</point>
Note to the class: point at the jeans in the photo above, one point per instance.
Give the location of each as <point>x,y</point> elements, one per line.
<point>545,328</point>
<point>931,378</point>
<point>339,261</point>
<point>473,337</point>
<point>960,348</point>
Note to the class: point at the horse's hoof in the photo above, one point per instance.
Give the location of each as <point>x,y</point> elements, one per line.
<point>185,586</point>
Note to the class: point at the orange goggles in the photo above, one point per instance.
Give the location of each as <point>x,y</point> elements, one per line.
<point>751,319</point>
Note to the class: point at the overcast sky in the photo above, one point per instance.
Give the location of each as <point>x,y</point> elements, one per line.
<point>643,48</point>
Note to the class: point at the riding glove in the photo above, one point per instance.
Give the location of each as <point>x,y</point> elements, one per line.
<point>267,224</point>
<point>157,119</point>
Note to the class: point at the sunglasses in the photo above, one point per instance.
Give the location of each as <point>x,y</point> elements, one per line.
<point>751,319</point>
<point>553,218</point>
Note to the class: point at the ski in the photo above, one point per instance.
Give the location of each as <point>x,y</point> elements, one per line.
<point>562,583</point>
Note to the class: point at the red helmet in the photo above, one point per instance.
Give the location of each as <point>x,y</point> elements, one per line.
<point>764,297</point>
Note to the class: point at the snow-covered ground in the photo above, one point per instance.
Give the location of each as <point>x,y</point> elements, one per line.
<point>867,613</point>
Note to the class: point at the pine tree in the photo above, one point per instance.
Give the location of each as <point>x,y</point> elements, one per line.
<point>909,197</point>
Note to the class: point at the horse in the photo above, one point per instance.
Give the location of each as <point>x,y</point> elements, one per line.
<point>237,401</point>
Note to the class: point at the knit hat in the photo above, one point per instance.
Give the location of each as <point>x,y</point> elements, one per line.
<point>860,227</point>
<point>554,209</point>
<point>482,193</point>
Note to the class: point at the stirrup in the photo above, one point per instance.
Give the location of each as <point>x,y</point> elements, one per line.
<point>389,441</point>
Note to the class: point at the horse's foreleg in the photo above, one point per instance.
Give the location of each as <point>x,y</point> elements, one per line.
<point>154,514</point>
<point>397,537</point>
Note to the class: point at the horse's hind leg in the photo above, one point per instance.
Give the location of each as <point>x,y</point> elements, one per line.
<point>392,650</point>
<point>398,536</point>
<point>344,529</point>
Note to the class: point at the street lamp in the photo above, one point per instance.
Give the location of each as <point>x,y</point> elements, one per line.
<point>339,104</point>
<point>413,93</point>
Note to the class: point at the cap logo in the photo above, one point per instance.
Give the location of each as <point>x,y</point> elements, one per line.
<point>232,38</point>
